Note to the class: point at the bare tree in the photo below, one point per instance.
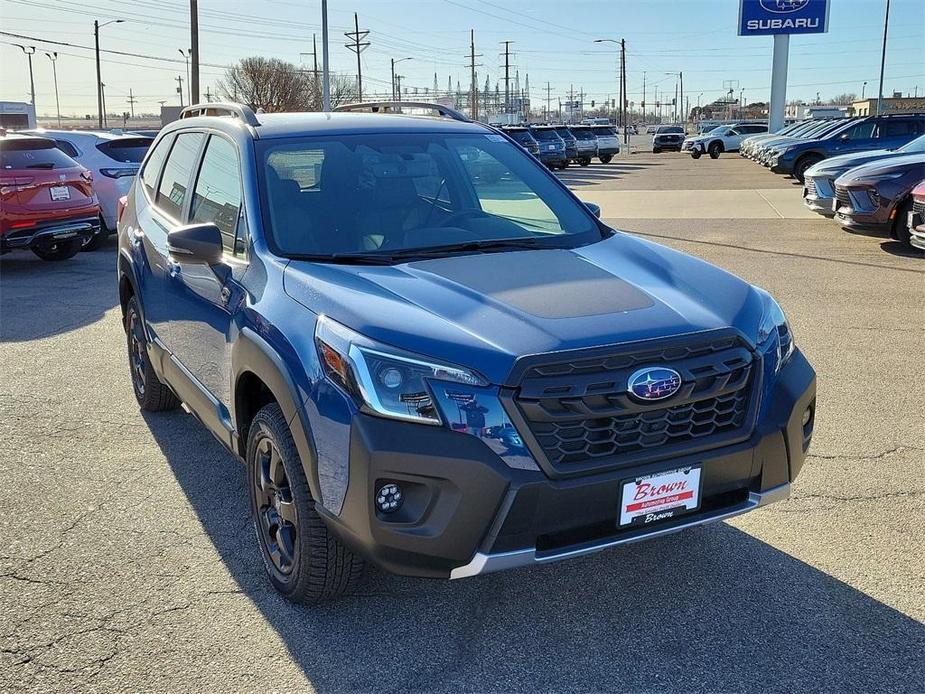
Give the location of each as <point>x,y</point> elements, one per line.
<point>272,84</point>
<point>844,99</point>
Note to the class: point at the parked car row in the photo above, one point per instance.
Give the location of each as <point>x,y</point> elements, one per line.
<point>859,171</point>
<point>557,146</point>
<point>105,162</point>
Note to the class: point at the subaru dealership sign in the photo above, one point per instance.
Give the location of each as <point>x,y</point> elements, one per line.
<point>768,17</point>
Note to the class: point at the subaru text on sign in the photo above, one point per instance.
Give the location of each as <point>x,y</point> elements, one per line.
<point>768,17</point>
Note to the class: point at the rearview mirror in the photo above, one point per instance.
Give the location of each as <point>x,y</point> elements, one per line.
<point>595,209</point>
<point>195,243</point>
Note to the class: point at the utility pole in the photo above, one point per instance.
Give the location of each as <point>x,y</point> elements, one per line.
<point>103,95</point>
<point>571,103</point>
<point>548,99</point>
<point>29,51</point>
<point>194,50</point>
<point>208,96</point>
<point>99,77</point>
<point>358,46</point>
<point>473,87</point>
<point>622,94</point>
<point>643,97</point>
<point>684,112</point>
<point>325,63</point>
<point>886,24</point>
<point>507,76</point>
<point>626,136</point>
<point>180,89</point>
<point>131,101</point>
<point>54,70</point>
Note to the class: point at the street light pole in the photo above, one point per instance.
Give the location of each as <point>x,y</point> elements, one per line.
<point>863,89</point>
<point>394,63</point>
<point>99,78</point>
<point>29,51</point>
<point>54,71</point>
<point>325,67</point>
<point>186,56</point>
<point>886,23</point>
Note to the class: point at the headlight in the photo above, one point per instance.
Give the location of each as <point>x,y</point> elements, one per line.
<point>387,381</point>
<point>775,337</point>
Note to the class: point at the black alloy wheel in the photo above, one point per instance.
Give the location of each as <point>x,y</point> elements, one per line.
<point>276,517</point>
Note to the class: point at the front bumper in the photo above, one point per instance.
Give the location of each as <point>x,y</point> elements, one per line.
<point>916,224</point>
<point>667,145</point>
<point>854,217</point>
<point>50,232</point>
<point>466,512</point>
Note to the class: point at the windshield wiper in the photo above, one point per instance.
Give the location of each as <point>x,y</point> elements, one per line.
<point>386,258</point>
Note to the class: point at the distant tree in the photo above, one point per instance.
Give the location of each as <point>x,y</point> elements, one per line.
<point>275,85</point>
<point>844,99</point>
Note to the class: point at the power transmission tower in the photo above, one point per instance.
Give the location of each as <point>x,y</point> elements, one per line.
<point>473,85</point>
<point>131,101</point>
<point>507,75</point>
<point>357,46</point>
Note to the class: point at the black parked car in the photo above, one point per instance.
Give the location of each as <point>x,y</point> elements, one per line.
<point>522,136</point>
<point>552,148</point>
<point>667,138</point>
<point>877,197</point>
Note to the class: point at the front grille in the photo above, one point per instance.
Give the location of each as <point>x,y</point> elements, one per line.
<point>810,185</point>
<point>918,206</point>
<point>581,416</point>
<point>841,195</point>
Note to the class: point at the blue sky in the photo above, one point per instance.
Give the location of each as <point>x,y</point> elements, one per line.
<point>553,41</point>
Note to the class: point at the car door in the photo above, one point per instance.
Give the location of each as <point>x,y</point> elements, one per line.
<point>202,299</point>
<point>859,137</point>
<point>147,234</point>
<point>732,138</point>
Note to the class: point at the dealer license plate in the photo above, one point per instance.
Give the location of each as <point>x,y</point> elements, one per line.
<point>60,193</point>
<point>660,497</point>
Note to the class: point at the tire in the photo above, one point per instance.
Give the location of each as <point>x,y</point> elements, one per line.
<point>61,250</point>
<point>98,239</point>
<point>695,154</point>
<point>900,224</point>
<point>803,163</point>
<point>715,149</point>
<point>584,162</point>
<point>606,158</point>
<point>303,560</point>
<point>151,394</point>
<point>656,150</point>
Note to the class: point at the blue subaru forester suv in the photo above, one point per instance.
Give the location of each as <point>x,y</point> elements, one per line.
<point>433,357</point>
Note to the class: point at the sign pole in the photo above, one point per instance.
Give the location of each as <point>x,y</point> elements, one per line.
<point>778,82</point>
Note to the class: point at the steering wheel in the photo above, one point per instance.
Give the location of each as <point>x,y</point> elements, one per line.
<point>463,214</point>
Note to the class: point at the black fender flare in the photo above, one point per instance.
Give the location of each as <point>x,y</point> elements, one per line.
<point>252,353</point>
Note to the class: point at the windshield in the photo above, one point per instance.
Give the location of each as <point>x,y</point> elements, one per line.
<point>33,154</point>
<point>545,135</point>
<point>670,129</point>
<point>914,147</point>
<point>381,194</point>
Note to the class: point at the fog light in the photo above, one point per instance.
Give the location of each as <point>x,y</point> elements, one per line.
<point>389,498</point>
<point>807,415</point>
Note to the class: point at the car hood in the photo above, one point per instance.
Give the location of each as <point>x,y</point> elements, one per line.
<point>483,311</point>
<point>836,166</point>
<point>912,163</point>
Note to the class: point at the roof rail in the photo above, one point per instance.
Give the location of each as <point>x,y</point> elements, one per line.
<point>400,107</point>
<point>242,111</point>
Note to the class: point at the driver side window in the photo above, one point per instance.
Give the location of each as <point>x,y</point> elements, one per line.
<point>862,131</point>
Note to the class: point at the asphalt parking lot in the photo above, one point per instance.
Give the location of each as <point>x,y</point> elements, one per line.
<point>127,561</point>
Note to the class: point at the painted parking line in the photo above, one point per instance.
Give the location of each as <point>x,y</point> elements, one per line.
<point>771,203</point>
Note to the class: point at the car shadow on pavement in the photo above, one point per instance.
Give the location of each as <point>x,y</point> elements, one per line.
<point>708,609</point>
<point>39,298</point>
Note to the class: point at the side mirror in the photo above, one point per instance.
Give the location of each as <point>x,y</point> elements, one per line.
<point>844,137</point>
<point>595,209</point>
<point>195,243</point>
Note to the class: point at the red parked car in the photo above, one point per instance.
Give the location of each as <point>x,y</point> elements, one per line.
<point>47,203</point>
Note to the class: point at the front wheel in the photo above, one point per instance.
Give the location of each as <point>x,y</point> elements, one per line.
<point>606,158</point>
<point>585,162</point>
<point>799,170</point>
<point>304,562</point>
<point>715,150</point>
<point>901,230</point>
<point>695,154</point>
<point>656,150</point>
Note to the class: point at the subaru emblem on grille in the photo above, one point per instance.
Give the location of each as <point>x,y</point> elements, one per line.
<point>654,383</point>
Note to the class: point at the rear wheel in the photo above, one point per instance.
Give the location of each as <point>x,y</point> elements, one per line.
<point>303,560</point>
<point>59,250</point>
<point>151,394</point>
<point>605,158</point>
<point>715,150</point>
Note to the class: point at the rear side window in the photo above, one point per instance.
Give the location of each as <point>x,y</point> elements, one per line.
<point>217,196</point>
<point>66,147</point>
<point>154,164</point>
<point>33,154</point>
<point>862,131</point>
<point>128,150</point>
<point>893,127</point>
<point>174,187</point>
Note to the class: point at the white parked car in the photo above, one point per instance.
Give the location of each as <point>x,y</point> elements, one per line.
<point>722,138</point>
<point>112,158</point>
